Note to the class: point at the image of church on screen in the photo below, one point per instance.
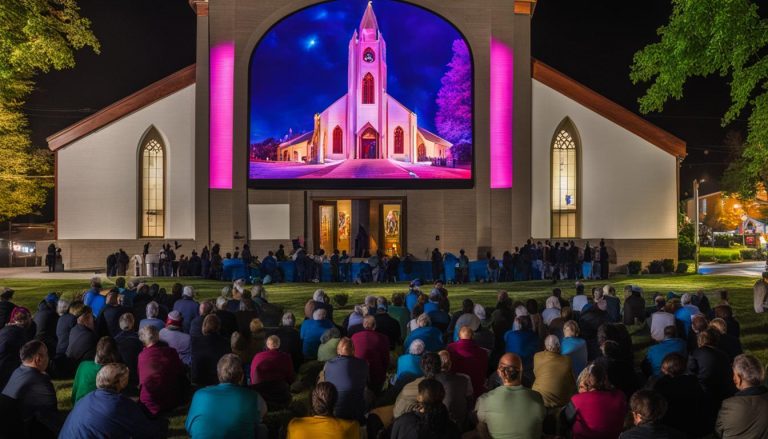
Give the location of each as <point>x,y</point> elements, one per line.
<point>366,133</point>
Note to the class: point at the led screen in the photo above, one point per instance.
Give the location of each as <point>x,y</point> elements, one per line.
<point>354,94</point>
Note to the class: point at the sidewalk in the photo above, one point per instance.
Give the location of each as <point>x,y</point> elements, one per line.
<point>42,273</point>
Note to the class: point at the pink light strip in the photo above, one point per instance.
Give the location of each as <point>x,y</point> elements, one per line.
<point>502,89</point>
<point>222,77</point>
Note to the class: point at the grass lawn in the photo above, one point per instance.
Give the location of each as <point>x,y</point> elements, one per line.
<point>712,254</point>
<point>293,296</point>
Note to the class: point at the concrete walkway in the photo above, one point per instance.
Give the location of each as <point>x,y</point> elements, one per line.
<point>749,269</point>
<point>42,273</point>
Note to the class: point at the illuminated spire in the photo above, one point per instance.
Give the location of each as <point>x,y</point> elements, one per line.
<point>369,19</point>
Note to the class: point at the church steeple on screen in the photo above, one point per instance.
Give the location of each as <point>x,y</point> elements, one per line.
<point>360,94</point>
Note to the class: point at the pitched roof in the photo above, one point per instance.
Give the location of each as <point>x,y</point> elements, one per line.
<point>607,108</point>
<point>149,94</point>
<point>432,137</point>
<point>298,139</point>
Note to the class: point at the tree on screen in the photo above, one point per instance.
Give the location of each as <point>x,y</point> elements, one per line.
<point>454,102</point>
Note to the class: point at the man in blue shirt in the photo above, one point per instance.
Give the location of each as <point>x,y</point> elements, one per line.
<point>93,297</point>
<point>430,335</point>
<point>350,376</point>
<point>312,330</point>
<point>412,298</point>
<point>105,412</point>
<point>188,307</point>
<point>655,356</point>
<point>522,341</point>
<point>227,409</point>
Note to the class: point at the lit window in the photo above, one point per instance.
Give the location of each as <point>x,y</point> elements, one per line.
<point>337,141</point>
<point>398,140</point>
<point>152,192</point>
<point>565,181</point>
<point>368,89</point>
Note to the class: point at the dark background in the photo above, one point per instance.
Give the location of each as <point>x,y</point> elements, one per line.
<point>592,41</point>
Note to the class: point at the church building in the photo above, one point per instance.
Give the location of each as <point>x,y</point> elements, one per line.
<point>550,159</point>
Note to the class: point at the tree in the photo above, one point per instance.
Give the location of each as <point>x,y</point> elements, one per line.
<point>707,37</point>
<point>35,36</point>
<point>453,119</point>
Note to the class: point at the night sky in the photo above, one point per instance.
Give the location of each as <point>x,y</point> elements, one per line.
<point>591,41</point>
<point>307,56</point>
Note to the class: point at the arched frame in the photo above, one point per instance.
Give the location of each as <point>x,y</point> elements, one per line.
<point>243,124</point>
<point>368,89</point>
<point>152,184</point>
<point>565,144</point>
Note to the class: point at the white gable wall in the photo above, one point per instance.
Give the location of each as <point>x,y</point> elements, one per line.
<point>98,174</point>
<point>628,185</point>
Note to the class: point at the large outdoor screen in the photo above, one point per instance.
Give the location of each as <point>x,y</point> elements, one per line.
<point>356,94</point>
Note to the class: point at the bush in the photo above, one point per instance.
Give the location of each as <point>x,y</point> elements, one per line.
<point>708,258</point>
<point>682,268</point>
<point>634,267</point>
<point>341,299</point>
<point>735,257</point>
<point>668,265</point>
<point>724,241</point>
<point>686,248</point>
<point>656,267</point>
<point>748,253</point>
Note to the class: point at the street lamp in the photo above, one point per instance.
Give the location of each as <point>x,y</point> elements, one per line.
<point>696,184</point>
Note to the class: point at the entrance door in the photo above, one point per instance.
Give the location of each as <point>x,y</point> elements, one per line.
<point>368,144</point>
<point>422,152</point>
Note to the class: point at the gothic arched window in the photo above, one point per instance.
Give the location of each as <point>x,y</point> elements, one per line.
<point>368,89</point>
<point>338,147</point>
<point>399,140</point>
<point>152,185</point>
<point>565,181</point>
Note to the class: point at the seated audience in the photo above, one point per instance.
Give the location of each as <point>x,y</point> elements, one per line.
<point>725,312</point>
<point>684,314</point>
<point>385,324</point>
<point>470,359</point>
<point>82,340</point>
<point>634,307</point>
<point>409,365</point>
<point>6,306</point>
<point>312,330</point>
<point>431,365</point>
<point>206,351</point>
<point>712,367</point>
<point>598,410</point>
<point>129,346</point>
<point>329,341</point>
<point>399,312</point>
<point>105,412</point>
<point>324,424</point>
<point>373,347</point>
<point>574,346</point>
<point>522,341</point>
<point>173,336</point>
<point>349,375</point>
<point>429,418</point>
<point>12,338</point>
<point>699,323</point>
<point>272,373</point>
<point>67,320</point>
<point>93,298</point>
<point>85,377</point>
<point>108,322</point>
<point>152,311</point>
<point>744,414</point>
<point>590,322</point>
<point>246,312</point>
<point>656,353</point>
<point>33,391</point>
<point>227,318</point>
<point>613,304</point>
<point>621,372</point>
<point>554,374</point>
<point>510,410</point>
<point>689,410</point>
<point>227,410</point>
<point>45,320</point>
<point>430,335</point>
<point>647,408</point>
<point>552,310</point>
<point>290,339</point>
<point>162,378</point>
<point>188,307</point>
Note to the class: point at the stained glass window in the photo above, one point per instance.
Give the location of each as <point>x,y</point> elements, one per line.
<point>565,182</point>
<point>152,186</point>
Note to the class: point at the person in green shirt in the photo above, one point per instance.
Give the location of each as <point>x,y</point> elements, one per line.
<point>228,409</point>
<point>85,377</point>
<point>328,343</point>
<point>510,411</point>
<point>399,312</point>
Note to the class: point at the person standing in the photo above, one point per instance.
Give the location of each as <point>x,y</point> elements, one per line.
<point>437,264</point>
<point>586,264</point>
<point>50,258</point>
<point>605,261</point>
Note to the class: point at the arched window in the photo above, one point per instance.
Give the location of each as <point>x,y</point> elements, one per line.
<point>565,181</point>
<point>399,140</point>
<point>368,89</point>
<point>337,140</point>
<point>152,185</point>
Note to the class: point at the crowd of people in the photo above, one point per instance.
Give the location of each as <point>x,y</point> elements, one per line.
<point>404,367</point>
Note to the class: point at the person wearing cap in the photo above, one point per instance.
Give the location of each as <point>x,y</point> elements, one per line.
<point>175,338</point>
<point>385,324</point>
<point>162,377</point>
<point>760,291</point>
<point>470,359</point>
<point>45,320</point>
<point>6,306</point>
<point>188,307</point>
<point>373,347</point>
<point>93,297</point>
<point>12,338</point>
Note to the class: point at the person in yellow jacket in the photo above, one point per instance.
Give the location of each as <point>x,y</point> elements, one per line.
<point>323,425</point>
